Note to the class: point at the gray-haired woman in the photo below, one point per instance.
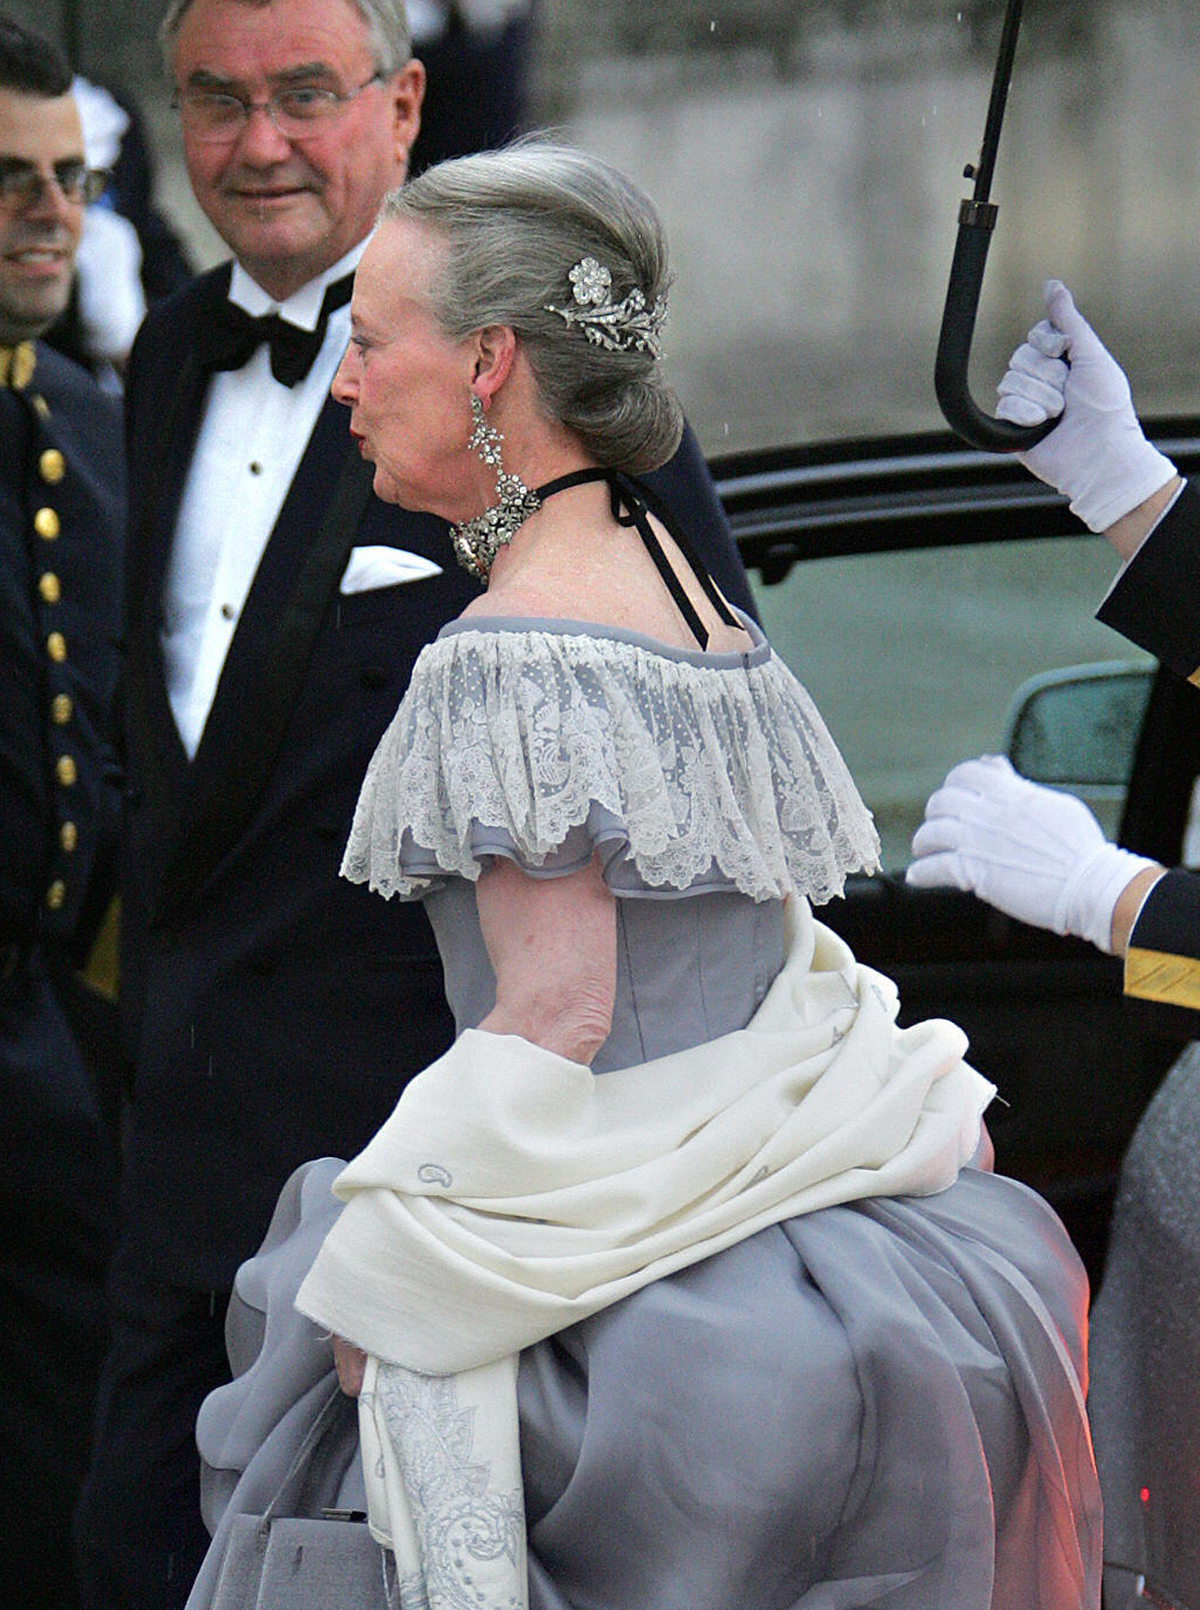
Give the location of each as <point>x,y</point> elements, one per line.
<point>673,1284</point>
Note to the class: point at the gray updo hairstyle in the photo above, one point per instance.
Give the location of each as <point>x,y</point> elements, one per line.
<point>516,222</point>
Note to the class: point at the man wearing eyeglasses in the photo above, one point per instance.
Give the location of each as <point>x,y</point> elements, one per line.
<point>61,524</point>
<point>273,1011</point>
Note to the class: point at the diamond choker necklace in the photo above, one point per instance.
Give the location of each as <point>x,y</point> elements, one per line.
<point>479,540</point>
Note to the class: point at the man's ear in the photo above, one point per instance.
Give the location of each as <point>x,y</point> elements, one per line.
<point>406,90</point>
<point>495,352</point>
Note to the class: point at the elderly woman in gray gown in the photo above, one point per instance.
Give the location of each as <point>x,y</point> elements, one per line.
<point>675,1284</point>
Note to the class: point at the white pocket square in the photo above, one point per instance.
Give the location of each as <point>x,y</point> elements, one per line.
<point>372,567</point>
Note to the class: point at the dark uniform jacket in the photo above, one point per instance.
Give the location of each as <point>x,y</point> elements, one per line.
<point>274,1011</point>
<point>61,530</point>
<point>1151,607</point>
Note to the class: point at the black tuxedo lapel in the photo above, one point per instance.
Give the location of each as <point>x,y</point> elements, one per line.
<point>268,655</point>
<point>157,757</point>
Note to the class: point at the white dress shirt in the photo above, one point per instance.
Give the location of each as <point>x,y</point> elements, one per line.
<point>250,443</point>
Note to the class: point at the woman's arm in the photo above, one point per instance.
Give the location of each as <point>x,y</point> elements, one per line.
<point>552,943</point>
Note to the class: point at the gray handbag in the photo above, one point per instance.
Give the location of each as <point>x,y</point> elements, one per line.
<point>300,1554</point>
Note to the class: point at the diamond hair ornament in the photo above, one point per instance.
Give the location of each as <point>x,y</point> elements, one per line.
<point>477,541</point>
<point>624,326</point>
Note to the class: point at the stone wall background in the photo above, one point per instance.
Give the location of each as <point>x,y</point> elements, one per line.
<point>807,157</point>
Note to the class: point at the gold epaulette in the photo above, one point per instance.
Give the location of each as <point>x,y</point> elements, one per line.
<point>1162,976</point>
<point>17,365</point>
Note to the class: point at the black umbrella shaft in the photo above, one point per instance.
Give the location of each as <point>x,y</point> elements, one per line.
<point>999,98</point>
<point>976,220</point>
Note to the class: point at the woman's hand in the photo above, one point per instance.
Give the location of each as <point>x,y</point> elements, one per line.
<point>552,943</point>
<point>350,1363</point>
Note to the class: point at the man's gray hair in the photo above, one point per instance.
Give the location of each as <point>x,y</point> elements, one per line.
<point>515,223</point>
<point>386,22</point>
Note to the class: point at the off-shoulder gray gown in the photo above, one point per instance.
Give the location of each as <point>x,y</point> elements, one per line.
<point>853,1408</point>
<point>873,1405</point>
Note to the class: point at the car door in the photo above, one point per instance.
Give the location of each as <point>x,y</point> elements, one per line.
<point>937,603</point>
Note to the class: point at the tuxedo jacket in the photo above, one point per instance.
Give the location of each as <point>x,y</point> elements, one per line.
<point>273,1012</point>
<point>1156,604</point>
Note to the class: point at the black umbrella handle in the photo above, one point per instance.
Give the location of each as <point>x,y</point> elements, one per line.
<point>963,414</point>
<point>976,220</point>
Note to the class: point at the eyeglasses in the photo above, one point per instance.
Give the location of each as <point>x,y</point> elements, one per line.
<point>215,118</point>
<point>22,186</point>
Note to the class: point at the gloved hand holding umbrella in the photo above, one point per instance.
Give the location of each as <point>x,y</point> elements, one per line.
<point>1097,455</point>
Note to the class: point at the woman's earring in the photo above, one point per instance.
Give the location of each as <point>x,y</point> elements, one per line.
<point>478,541</point>
<point>484,439</point>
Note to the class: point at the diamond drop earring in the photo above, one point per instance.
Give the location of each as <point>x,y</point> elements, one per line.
<point>484,439</point>
<point>477,541</point>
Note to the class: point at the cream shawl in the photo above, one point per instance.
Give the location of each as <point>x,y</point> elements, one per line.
<point>512,1193</point>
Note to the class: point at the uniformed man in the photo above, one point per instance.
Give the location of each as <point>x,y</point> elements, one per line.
<point>1035,853</point>
<point>61,497</point>
<point>1039,855</point>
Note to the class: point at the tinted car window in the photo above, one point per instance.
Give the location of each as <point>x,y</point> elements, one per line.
<point>916,659</point>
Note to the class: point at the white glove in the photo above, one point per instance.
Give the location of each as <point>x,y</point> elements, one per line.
<point>1097,455</point>
<point>1035,853</point>
<point>111,301</point>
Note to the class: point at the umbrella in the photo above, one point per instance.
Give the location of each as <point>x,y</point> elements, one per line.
<point>976,221</point>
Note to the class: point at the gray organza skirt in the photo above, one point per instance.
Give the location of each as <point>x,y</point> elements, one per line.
<point>876,1405</point>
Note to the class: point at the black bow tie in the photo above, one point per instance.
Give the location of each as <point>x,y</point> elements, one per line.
<point>229,337</point>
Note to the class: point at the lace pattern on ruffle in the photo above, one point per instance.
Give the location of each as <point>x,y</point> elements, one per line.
<point>524,731</point>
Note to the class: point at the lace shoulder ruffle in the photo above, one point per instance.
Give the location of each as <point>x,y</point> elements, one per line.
<point>699,772</point>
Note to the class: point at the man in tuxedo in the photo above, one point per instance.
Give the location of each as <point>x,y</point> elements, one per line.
<point>61,519</point>
<point>273,1011</point>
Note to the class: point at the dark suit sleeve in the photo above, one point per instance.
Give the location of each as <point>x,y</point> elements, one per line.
<point>687,489</point>
<point>1162,965</point>
<point>1156,602</point>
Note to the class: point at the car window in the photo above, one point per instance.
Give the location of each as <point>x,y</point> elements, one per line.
<point>917,660</point>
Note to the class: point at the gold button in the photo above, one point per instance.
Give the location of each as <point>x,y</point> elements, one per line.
<point>24,362</point>
<point>68,836</point>
<point>50,587</point>
<point>46,524</point>
<point>56,647</point>
<point>255,467</point>
<point>64,768</point>
<point>52,466</point>
<point>41,406</point>
<point>228,612</point>
<point>61,709</point>
<point>56,894</point>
